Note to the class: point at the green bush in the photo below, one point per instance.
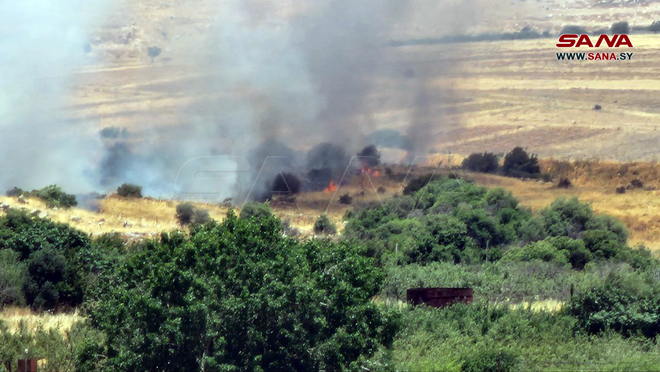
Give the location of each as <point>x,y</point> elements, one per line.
<point>275,304</point>
<point>346,199</point>
<point>187,214</point>
<point>543,250</point>
<point>12,278</point>
<point>129,190</point>
<point>57,258</point>
<point>518,163</point>
<point>625,303</point>
<point>323,225</point>
<point>446,220</point>
<point>416,184</point>
<point>15,192</point>
<point>58,347</point>
<point>55,197</point>
<point>486,163</point>
<point>255,210</point>
<point>620,28</point>
<point>655,26</point>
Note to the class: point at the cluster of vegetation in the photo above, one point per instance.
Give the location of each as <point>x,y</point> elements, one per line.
<point>48,265</point>
<point>52,195</point>
<point>276,304</point>
<point>243,295</point>
<point>188,214</point>
<point>456,221</point>
<point>323,225</point>
<point>517,163</point>
<point>129,190</point>
<point>485,163</point>
<point>77,350</point>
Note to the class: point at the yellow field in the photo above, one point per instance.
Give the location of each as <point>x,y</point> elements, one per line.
<point>15,318</point>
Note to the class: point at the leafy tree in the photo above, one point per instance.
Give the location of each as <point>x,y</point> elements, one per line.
<point>187,214</point>
<point>518,163</point>
<point>15,191</point>
<point>628,304</point>
<point>12,278</point>
<point>255,210</point>
<point>542,250</point>
<point>620,28</point>
<point>57,258</point>
<point>129,190</point>
<point>241,296</point>
<point>458,221</point>
<point>55,197</point>
<point>486,163</point>
<point>323,225</point>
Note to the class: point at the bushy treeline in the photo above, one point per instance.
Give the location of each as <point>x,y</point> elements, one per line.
<point>241,295</point>
<point>457,221</point>
<point>52,195</point>
<point>517,163</point>
<point>48,265</point>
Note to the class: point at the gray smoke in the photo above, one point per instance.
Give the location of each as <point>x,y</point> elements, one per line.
<point>41,45</point>
<point>272,87</point>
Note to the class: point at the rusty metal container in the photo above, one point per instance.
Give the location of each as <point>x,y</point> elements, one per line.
<point>27,365</point>
<point>439,297</point>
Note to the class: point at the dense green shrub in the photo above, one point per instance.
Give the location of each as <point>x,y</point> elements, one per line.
<point>275,304</point>
<point>255,210</point>
<point>543,250</point>
<point>486,163</point>
<point>184,213</point>
<point>129,190</point>
<point>346,199</point>
<point>416,184</point>
<point>446,220</point>
<point>455,337</point>
<point>518,163</point>
<point>57,258</point>
<point>323,225</point>
<point>12,278</point>
<point>16,191</point>
<point>655,26</point>
<point>55,197</point>
<point>187,214</point>
<point>625,303</point>
<point>62,350</point>
<point>620,28</point>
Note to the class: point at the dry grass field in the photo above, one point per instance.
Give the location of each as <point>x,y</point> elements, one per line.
<point>17,317</point>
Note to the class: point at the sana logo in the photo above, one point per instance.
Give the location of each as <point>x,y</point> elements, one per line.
<point>577,41</point>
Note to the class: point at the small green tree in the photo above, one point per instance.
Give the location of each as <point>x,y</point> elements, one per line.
<point>129,190</point>
<point>241,296</point>
<point>518,163</point>
<point>620,28</point>
<point>55,197</point>
<point>57,258</point>
<point>255,210</point>
<point>486,163</point>
<point>323,225</point>
<point>16,191</point>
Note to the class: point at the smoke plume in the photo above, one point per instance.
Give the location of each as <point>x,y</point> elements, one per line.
<point>273,87</point>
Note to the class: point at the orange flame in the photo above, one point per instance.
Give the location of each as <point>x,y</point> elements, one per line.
<point>331,187</point>
<point>370,171</point>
